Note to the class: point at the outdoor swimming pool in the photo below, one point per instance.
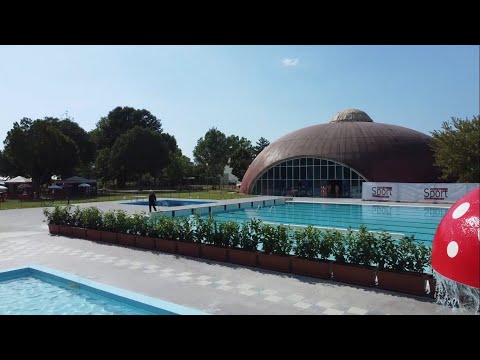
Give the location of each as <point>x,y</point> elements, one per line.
<point>42,291</point>
<point>169,202</point>
<point>405,220</point>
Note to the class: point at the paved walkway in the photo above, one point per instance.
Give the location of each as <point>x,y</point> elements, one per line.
<point>212,287</point>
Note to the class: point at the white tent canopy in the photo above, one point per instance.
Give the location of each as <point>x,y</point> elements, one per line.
<point>3,188</point>
<point>18,179</point>
<point>84,185</point>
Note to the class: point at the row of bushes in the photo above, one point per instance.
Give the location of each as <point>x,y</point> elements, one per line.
<point>361,247</point>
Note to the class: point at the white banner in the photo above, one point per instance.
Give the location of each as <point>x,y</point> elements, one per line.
<point>414,192</point>
<point>380,191</point>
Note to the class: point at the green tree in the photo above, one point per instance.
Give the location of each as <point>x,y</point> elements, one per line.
<point>262,143</point>
<point>139,151</point>
<point>39,149</point>
<point>104,171</point>
<point>457,150</point>
<point>119,121</point>
<point>241,159</point>
<point>211,153</point>
<point>178,168</point>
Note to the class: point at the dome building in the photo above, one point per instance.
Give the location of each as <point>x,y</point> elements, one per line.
<point>335,158</point>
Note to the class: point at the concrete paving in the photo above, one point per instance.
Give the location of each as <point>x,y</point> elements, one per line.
<point>216,288</point>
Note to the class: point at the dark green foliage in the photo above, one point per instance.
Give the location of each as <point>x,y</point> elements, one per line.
<point>457,150</point>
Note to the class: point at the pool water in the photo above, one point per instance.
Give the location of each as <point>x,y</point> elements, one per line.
<point>169,203</point>
<point>31,296</point>
<point>404,220</point>
<point>38,290</point>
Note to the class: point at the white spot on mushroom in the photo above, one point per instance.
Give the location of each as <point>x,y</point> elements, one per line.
<point>452,249</point>
<point>461,210</point>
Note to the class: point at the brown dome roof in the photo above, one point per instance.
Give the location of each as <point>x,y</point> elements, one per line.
<point>379,152</point>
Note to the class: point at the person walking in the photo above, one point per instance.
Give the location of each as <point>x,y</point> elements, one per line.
<point>152,200</point>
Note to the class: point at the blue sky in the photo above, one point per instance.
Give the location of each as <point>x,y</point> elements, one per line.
<point>249,91</point>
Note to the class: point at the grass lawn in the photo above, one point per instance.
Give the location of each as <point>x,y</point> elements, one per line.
<point>212,195</point>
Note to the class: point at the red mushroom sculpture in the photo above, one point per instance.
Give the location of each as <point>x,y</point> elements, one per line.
<point>456,245</point>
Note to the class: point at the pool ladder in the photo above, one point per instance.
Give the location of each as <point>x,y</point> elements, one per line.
<point>271,207</point>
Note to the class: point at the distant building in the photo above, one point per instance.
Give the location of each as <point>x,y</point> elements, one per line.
<point>335,158</point>
<point>228,177</point>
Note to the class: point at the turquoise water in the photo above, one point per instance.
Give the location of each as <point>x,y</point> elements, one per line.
<point>419,221</point>
<point>31,296</point>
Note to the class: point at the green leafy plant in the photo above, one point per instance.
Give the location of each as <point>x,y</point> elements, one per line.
<point>338,243</point>
<point>361,247</point>
<point>109,221</point>
<point>76,217</point>
<point>186,229</point>
<point>122,222</point>
<point>385,251</point>
<point>307,242</point>
<point>284,243</point>
<point>138,224</point>
<point>405,250</point>
<point>205,229</point>
<point>268,238</point>
<point>55,216</point>
<point>92,218</point>
<point>251,235</point>
<point>228,234</point>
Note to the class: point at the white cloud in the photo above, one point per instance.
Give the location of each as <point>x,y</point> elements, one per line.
<point>290,61</point>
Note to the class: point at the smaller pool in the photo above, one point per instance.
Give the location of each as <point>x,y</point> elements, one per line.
<point>169,202</point>
<point>38,290</point>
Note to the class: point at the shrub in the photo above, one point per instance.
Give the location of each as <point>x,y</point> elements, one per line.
<point>284,243</point>
<point>251,235</point>
<point>91,218</point>
<point>384,251</point>
<point>109,221</point>
<point>122,222</point>
<point>307,242</point>
<point>76,217</point>
<point>338,243</point>
<point>55,216</point>
<point>268,238</point>
<point>137,224</point>
<point>361,247</point>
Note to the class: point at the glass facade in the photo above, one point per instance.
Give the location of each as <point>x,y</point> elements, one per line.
<point>308,176</point>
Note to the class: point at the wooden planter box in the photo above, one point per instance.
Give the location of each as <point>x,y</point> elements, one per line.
<point>109,237</point>
<point>213,252</point>
<point>406,282</point>
<point>95,235</point>
<point>354,274</point>
<point>126,239</point>
<point>243,257</point>
<point>54,229</point>
<point>169,246</point>
<point>79,233</point>
<point>145,242</point>
<point>316,268</point>
<point>65,230</point>
<point>280,263</point>
<point>188,248</point>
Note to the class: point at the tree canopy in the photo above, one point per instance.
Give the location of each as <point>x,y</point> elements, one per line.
<point>39,149</point>
<point>262,143</point>
<point>457,150</point>
<point>211,153</point>
<point>241,153</point>
<point>138,151</point>
<point>119,121</point>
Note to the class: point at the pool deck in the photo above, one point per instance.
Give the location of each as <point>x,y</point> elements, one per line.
<point>215,288</point>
